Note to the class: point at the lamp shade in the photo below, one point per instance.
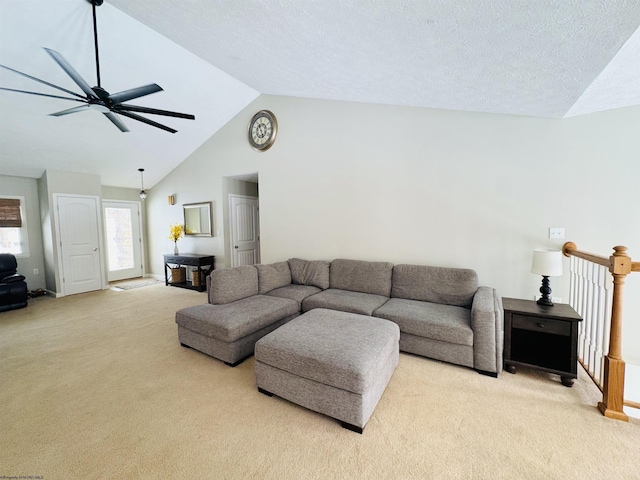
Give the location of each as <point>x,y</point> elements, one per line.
<point>547,263</point>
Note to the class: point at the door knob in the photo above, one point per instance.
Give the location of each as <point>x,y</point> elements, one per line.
<point>95,249</point>
<point>236,246</point>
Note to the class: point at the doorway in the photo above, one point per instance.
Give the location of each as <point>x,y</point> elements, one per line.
<point>122,225</point>
<point>245,230</point>
<point>79,257</point>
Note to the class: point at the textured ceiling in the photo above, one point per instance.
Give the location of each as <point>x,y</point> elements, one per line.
<point>534,57</point>
<point>549,58</point>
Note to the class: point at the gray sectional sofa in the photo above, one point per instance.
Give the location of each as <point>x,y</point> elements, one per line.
<point>442,313</point>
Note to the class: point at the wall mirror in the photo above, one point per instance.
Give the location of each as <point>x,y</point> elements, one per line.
<point>197,219</point>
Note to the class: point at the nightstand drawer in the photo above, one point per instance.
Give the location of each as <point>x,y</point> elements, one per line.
<point>545,325</point>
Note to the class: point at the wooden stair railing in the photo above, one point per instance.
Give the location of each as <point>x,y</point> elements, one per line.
<point>619,265</point>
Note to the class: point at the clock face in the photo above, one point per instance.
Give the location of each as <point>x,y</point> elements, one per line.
<point>262,130</point>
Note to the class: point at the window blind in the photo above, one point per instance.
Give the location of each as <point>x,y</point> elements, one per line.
<point>10,213</point>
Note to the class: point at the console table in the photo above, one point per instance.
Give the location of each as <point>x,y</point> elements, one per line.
<point>541,337</point>
<point>203,263</point>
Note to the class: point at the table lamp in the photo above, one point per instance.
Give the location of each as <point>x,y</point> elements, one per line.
<point>547,263</point>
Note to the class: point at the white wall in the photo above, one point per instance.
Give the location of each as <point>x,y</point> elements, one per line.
<point>28,188</point>
<point>55,182</point>
<point>424,186</point>
<point>38,195</point>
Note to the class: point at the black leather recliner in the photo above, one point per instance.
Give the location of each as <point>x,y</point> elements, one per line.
<point>13,288</point>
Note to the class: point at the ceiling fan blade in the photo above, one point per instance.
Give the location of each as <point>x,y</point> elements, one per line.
<point>75,76</point>
<point>135,93</point>
<point>153,111</point>
<point>39,80</point>
<point>81,108</point>
<point>146,120</point>
<point>81,99</point>
<point>116,121</point>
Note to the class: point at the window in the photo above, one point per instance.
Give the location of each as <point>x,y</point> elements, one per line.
<point>13,226</point>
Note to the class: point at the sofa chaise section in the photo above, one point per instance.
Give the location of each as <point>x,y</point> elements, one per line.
<point>236,316</point>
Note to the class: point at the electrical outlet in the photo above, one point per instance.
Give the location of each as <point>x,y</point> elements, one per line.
<point>556,232</point>
<point>36,271</point>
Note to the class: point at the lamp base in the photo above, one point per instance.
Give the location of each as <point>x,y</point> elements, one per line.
<point>545,290</point>
<point>546,303</point>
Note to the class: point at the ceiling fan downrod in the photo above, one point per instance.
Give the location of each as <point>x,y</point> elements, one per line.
<point>96,3</point>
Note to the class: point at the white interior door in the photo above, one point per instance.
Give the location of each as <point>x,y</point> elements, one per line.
<point>79,234</point>
<point>122,227</point>
<point>245,230</point>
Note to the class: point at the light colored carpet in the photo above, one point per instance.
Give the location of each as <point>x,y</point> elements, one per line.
<point>97,386</point>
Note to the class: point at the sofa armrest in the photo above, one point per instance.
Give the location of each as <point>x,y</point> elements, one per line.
<point>16,277</point>
<point>488,330</point>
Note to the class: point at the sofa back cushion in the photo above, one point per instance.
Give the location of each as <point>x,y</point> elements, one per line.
<point>362,276</point>
<point>8,264</point>
<point>310,272</point>
<point>272,276</point>
<point>449,286</point>
<point>230,284</point>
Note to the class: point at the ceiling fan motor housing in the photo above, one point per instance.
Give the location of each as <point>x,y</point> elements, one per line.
<point>102,94</point>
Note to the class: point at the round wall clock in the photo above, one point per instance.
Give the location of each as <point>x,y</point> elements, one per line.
<point>262,130</point>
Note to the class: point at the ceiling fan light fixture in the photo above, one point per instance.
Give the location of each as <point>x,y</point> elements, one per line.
<point>143,192</point>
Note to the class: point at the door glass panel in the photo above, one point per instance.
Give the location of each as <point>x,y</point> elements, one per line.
<point>119,238</point>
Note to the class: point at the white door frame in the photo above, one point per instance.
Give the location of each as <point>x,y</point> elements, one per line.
<point>143,266</point>
<point>232,238</point>
<point>58,241</point>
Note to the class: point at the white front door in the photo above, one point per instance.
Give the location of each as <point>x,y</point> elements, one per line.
<point>79,235</point>
<point>245,230</point>
<point>123,241</point>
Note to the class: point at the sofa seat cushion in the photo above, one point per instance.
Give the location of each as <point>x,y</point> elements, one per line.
<point>295,292</point>
<point>339,349</point>
<point>232,321</point>
<point>345,301</point>
<point>445,323</point>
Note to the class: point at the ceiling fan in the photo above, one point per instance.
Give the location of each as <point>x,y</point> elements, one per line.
<point>97,98</point>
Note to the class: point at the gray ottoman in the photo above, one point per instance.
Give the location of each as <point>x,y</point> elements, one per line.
<point>331,362</point>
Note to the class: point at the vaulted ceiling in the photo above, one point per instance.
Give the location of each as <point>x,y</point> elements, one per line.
<point>547,58</point>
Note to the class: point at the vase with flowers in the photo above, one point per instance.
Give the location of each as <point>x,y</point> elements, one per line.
<point>175,233</point>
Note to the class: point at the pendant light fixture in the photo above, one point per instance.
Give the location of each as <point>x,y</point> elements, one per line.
<point>143,193</point>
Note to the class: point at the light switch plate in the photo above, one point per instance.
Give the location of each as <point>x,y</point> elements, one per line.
<point>556,232</point>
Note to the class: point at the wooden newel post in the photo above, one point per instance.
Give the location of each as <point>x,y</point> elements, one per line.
<point>613,388</point>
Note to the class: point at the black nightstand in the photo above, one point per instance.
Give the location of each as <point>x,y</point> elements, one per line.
<point>544,338</point>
